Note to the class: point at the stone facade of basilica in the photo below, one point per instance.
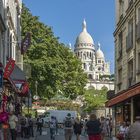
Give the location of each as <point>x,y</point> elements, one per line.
<point>93,61</point>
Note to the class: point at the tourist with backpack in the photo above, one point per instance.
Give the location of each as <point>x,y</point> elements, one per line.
<point>68,127</point>
<point>53,125</point>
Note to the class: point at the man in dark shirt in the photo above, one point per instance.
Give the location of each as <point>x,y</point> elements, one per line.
<point>93,128</point>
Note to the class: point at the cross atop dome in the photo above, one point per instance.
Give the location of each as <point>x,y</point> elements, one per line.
<point>99,44</point>
<point>84,25</point>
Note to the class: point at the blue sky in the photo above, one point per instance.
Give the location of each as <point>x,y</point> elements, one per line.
<point>66,17</point>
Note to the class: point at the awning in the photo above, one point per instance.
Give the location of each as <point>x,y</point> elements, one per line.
<point>17,74</point>
<point>16,77</point>
<point>125,95</point>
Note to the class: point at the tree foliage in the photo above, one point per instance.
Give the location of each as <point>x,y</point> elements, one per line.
<point>53,65</point>
<point>95,98</point>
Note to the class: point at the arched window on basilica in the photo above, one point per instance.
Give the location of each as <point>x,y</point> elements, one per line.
<point>90,76</point>
<point>85,66</point>
<point>85,56</point>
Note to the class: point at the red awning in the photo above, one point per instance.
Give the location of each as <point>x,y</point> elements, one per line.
<point>124,96</point>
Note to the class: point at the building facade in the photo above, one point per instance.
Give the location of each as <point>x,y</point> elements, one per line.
<point>126,100</point>
<point>93,61</point>
<point>10,31</point>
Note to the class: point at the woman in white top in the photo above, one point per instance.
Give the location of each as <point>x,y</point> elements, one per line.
<point>122,130</point>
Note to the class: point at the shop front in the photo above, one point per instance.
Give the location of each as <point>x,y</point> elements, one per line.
<point>14,87</point>
<point>125,105</point>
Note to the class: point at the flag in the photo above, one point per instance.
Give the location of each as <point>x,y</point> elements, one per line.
<point>25,44</point>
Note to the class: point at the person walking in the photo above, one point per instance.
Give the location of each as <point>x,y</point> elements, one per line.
<point>122,131</point>
<point>40,124</point>
<point>13,123</point>
<point>77,128</point>
<point>93,128</point>
<point>53,125</point>
<point>68,127</point>
<point>31,128</point>
<point>103,127</point>
<point>134,130</point>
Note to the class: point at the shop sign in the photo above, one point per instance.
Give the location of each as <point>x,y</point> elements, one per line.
<point>9,68</point>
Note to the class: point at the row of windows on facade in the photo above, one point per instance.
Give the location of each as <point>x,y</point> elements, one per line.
<point>85,54</point>
<point>121,7</point>
<point>84,45</point>
<point>130,71</point>
<point>91,67</point>
<point>91,77</point>
<point>129,37</point>
<point>12,43</point>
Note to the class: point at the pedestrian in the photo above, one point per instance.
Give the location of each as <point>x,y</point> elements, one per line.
<point>23,129</point>
<point>103,128</point>
<point>68,127</point>
<point>93,128</point>
<point>134,130</point>
<point>53,126</point>
<point>77,128</point>
<point>26,127</point>
<point>13,124</point>
<point>85,128</point>
<point>57,126</point>
<point>40,123</point>
<point>31,127</point>
<point>111,127</point>
<point>122,131</point>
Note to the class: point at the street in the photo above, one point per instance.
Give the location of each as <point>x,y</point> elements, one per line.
<point>45,136</point>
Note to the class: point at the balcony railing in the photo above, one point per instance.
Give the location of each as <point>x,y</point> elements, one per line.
<point>138,31</point>
<point>129,41</point>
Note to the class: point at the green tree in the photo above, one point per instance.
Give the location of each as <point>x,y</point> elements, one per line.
<point>53,65</point>
<point>94,98</point>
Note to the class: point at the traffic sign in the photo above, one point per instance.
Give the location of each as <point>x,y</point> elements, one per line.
<point>35,97</point>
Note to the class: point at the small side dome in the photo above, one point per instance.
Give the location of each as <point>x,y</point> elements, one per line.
<point>99,53</point>
<point>84,36</point>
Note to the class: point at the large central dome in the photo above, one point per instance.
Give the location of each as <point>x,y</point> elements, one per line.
<point>84,36</point>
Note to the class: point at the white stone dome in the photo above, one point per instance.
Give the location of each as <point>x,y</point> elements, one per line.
<point>84,36</point>
<point>99,53</point>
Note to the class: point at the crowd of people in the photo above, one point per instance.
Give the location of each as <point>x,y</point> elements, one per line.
<point>129,132</point>
<point>94,128</point>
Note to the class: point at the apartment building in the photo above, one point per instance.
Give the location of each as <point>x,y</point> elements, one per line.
<point>13,79</point>
<point>126,100</point>
<point>10,31</point>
